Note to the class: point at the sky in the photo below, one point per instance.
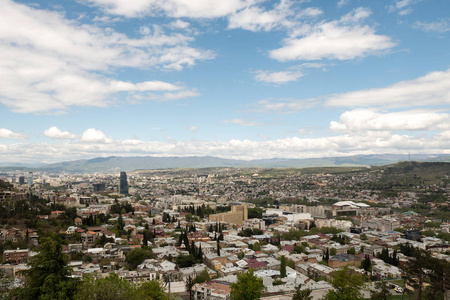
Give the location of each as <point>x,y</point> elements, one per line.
<point>242,79</point>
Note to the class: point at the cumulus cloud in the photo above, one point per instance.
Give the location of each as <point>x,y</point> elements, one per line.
<point>277,77</point>
<point>290,147</point>
<point>93,135</point>
<point>180,24</point>
<point>283,105</point>
<point>360,120</point>
<point>402,7</point>
<point>9,134</point>
<point>56,133</point>
<point>171,8</point>
<point>242,122</point>
<point>343,39</point>
<point>193,128</point>
<point>49,63</point>
<point>255,18</point>
<point>431,89</point>
<point>342,3</point>
<point>440,26</point>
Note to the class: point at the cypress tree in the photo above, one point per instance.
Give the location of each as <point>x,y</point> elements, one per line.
<point>200,253</point>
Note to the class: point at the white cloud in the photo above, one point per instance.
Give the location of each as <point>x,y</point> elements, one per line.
<point>431,89</point>
<point>283,105</point>
<point>342,3</point>
<point>242,122</point>
<point>9,134</point>
<point>290,147</point>
<point>93,135</point>
<point>49,63</point>
<point>277,77</point>
<point>193,128</point>
<point>361,120</point>
<point>56,133</point>
<point>180,24</point>
<point>342,39</point>
<point>403,7</point>
<point>440,26</point>
<point>283,15</point>
<point>255,18</point>
<point>172,8</point>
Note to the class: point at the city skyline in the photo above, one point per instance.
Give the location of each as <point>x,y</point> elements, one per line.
<point>235,79</point>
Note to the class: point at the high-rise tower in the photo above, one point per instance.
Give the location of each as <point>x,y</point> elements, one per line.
<point>30,178</point>
<point>123,186</point>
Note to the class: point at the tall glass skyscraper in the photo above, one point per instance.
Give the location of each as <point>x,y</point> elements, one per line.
<point>123,185</point>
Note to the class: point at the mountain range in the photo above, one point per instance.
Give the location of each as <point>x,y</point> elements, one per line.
<point>117,163</point>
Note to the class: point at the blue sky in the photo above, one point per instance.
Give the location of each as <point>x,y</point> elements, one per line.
<point>243,79</point>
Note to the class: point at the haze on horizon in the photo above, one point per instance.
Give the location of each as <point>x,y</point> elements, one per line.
<point>239,79</point>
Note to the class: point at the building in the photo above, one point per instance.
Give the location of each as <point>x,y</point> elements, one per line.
<point>21,180</point>
<point>237,215</point>
<point>341,260</point>
<point>15,256</point>
<point>211,291</point>
<point>123,185</point>
<point>254,223</point>
<point>30,178</point>
<point>98,187</point>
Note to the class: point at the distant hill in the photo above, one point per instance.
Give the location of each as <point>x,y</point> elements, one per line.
<point>117,163</point>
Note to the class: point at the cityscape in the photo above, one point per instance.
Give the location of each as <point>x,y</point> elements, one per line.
<point>225,150</point>
<point>195,231</point>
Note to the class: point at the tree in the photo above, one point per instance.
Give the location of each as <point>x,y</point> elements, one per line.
<point>415,270</point>
<point>366,264</point>
<point>218,248</point>
<point>347,285</point>
<point>247,287</point>
<point>185,261</point>
<point>202,277</point>
<point>145,239</point>
<point>381,292</point>
<point>326,256</point>
<point>333,251</point>
<point>108,288</point>
<point>283,267</point>
<point>48,275</point>
<point>439,278</point>
<point>200,253</point>
<point>137,256</point>
<point>120,223</point>
<point>150,290</point>
<point>300,294</point>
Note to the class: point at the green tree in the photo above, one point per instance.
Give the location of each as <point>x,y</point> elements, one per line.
<point>202,277</point>
<point>48,275</point>
<point>439,279</point>
<point>300,294</point>
<point>366,264</point>
<point>333,251</point>
<point>151,290</point>
<point>347,285</point>
<point>185,261</point>
<point>108,288</point>
<point>381,291</point>
<point>283,266</point>
<point>416,270</point>
<point>137,256</point>
<point>247,287</point>
<point>120,223</point>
